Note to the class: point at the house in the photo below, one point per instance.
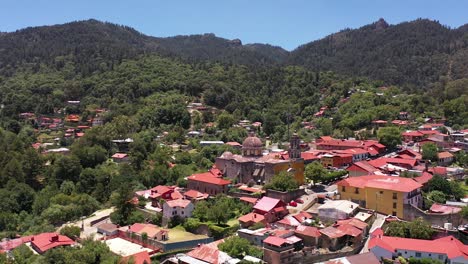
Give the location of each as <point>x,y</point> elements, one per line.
<point>160,193</point>
<point>108,229</point>
<point>385,194</point>
<point>362,168</point>
<point>234,144</point>
<point>208,183</point>
<point>412,136</point>
<point>288,222</point>
<point>409,153</point>
<point>195,196</point>
<point>332,238</point>
<point>272,209</point>
<point>444,158</point>
<point>251,219</point>
<point>248,200</point>
<point>180,207</point>
<point>206,253</point>
<point>336,160</point>
<point>357,153</point>
<point>424,178</point>
<point>361,225</point>
<point>46,241</point>
<point>277,250</point>
<point>310,235</point>
<point>337,209</point>
<point>367,258</point>
<point>303,216</point>
<point>407,164</point>
<point>446,249</point>
<point>152,231</point>
<point>120,158</point>
<point>137,258</point>
<point>373,147</point>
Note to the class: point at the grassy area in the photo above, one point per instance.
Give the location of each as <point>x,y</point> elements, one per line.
<point>178,233</point>
<point>232,222</point>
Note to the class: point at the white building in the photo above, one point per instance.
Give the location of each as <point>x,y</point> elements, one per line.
<point>337,210</point>
<point>180,207</point>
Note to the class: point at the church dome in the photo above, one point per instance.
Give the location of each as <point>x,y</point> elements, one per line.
<point>252,142</point>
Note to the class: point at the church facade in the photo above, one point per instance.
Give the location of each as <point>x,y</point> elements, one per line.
<point>254,167</point>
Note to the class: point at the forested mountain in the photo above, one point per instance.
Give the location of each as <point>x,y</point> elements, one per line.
<point>417,52</point>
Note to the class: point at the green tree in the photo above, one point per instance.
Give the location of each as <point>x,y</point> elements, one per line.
<point>437,196</point>
<point>429,152</point>
<point>225,120</point>
<point>420,229</point>
<point>71,231</point>
<point>238,247</point>
<point>315,172</point>
<point>283,181</point>
<point>201,211</point>
<point>389,136</point>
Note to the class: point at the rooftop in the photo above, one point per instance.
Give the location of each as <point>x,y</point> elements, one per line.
<point>398,184</point>
<point>208,177</point>
<point>267,204</point>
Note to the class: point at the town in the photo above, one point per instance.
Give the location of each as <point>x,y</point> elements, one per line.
<point>306,202</point>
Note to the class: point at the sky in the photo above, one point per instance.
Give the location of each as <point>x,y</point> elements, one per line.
<point>285,23</point>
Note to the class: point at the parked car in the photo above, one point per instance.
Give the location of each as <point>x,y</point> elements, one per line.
<point>292,203</point>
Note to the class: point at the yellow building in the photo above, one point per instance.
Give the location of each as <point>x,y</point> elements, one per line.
<point>384,194</point>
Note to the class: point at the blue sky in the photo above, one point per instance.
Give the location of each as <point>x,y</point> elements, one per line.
<point>286,23</point>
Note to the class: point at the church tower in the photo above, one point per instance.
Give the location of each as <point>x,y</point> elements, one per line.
<point>294,148</point>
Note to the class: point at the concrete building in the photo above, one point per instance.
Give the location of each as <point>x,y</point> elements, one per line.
<point>181,208</point>
<point>385,194</point>
<point>337,210</point>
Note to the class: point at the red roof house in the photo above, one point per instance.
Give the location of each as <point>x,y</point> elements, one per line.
<point>137,258</point>
<point>251,219</point>
<point>208,183</point>
<point>45,241</point>
<point>273,209</point>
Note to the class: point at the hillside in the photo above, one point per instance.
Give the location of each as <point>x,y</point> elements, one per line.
<point>417,52</point>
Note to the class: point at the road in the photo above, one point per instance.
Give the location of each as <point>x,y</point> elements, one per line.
<point>88,229</point>
<point>379,220</point>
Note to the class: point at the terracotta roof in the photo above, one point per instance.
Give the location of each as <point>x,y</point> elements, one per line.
<point>350,230</point>
<point>449,245</point>
<point>307,231</point>
<point>424,178</point>
<point>393,183</point>
<point>267,204</point>
<point>444,209</point>
<point>193,194</point>
<point>412,134</point>
<point>233,144</point>
<point>250,200</point>
<point>46,241</point>
<point>308,156</point>
<point>109,227</point>
<point>118,155</point>
<point>354,222</point>
<point>332,232</point>
<point>383,161</point>
<point>251,217</point>
<point>444,155</point>
<point>289,220</point>
<point>252,142</point>
<point>302,216</point>
<point>137,258</point>
<point>208,177</point>
<point>149,229</point>
<point>14,243</point>
<point>275,241</point>
<point>178,203</point>
<point>209,253</point>
<point>367,258</point>
<point>365,166</point>
<point>439,170</point>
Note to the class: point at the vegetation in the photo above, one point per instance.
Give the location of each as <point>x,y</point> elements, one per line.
<point>283,182</point>
<point>70,231</point>
<point>238,247</point>
<point>418,229</point>
<point>429,152</point>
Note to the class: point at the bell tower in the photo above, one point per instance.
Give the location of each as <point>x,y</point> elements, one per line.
<point>294,148</point>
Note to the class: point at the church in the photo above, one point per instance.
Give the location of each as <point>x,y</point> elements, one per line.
<point>255,168</point>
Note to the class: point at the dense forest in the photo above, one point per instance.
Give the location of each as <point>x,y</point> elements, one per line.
<point>145,84</point>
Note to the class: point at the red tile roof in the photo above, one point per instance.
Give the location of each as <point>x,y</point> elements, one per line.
<point>46,241</point>
<point>307,231</point>
<point>208,177</point>
<point>354,222</point>
<point>350,230</point>
<point>267,204</point>
<point>383,161</point>
<point>234,144</point>
<point>332,232</point>
<point>439,170</point>
<point>208,253</point>
<point>364,165</point>
<point>178,203</point>
<point>424,178</point>
<point>449,245</point>
<point>193,194</point>
<point>412,134</point>
<point>14,243</point>
<point>393,183</point>
<point>444,209</point>
<point>302,216</point>
<point>275,241</point>
<point>250,200</point>
<point>444,155</point>
<point>289,220</point>
<point>308,156</point>
<point>117,155</point>
<point>149,229</point>
<point>251,217</point>
<point>137,258</point>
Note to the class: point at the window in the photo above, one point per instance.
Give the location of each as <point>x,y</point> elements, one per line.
<point>394,213</point>
<point>182,212</point>
<point>343,188</point>
<point>394,205</point>
<point>418,254</point>
<point>381,192</point>
<point>356,190</point>
<point>394,195</point>
<point>441,257</point>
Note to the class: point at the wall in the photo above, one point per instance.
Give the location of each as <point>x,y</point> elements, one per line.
<point>297,165</point>
<point>410,253</point>
<point>285,196</point>
<point>412,212</point>
<point>382,201</point>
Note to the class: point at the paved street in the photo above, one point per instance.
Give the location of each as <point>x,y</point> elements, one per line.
<point>377,223</point>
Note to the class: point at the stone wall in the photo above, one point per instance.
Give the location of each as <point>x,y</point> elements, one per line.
<point>285,196</point>
<point>410,212</point>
